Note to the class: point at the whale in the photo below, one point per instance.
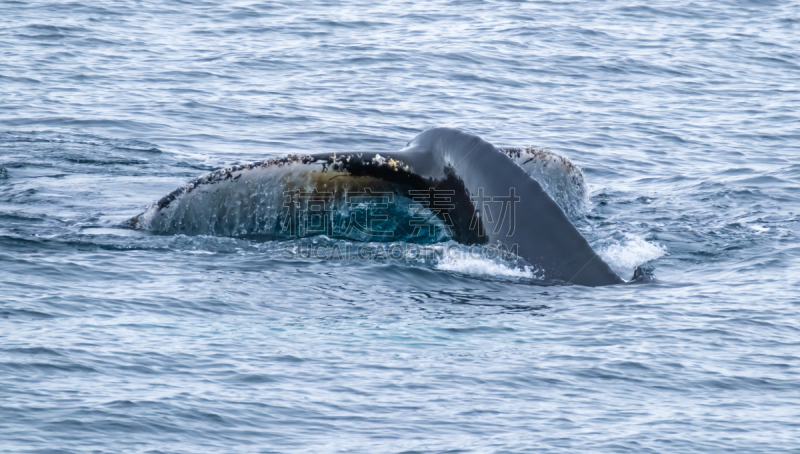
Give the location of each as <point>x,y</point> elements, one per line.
<point>481,194</point>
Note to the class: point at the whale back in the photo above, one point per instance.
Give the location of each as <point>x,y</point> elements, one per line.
<point>487,199</point>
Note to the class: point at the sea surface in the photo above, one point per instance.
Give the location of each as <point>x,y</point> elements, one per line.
<point>683,116</point>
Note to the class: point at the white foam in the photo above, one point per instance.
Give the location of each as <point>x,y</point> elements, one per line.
<point>483,267</point>
<point>625,254</point>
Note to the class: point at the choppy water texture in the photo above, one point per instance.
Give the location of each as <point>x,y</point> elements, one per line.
<point>685,118</point>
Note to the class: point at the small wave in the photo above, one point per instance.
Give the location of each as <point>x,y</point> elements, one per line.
<point>484,267</point>
<point>133,148</point>
<point>628,251</point>
<point>484,261</point>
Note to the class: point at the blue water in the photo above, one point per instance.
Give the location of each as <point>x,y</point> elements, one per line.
<point>684,116</point>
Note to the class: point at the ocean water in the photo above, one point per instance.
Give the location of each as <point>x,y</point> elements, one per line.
<point>683,116</point>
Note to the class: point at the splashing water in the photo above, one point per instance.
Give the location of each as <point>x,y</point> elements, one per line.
<point>626,251</point>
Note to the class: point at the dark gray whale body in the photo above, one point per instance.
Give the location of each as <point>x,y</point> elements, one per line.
<point>493,200</point>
